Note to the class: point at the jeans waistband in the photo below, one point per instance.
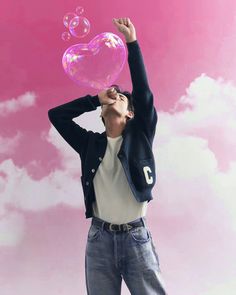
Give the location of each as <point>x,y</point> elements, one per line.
<point>119,227</point>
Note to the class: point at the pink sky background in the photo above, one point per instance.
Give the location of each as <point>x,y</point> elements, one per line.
<point>189,52</point>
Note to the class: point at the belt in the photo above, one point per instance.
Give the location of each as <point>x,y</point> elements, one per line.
<point>117,227</point>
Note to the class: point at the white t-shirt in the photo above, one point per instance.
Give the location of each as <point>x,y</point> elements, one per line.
<point>115,201</point>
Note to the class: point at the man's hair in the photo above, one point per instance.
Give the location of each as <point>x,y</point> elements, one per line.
<point>130,106</point>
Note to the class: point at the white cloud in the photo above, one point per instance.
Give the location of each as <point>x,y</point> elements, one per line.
<point>8,145</point>
<point>14,105</point>
<point>209,107</point>
<point>11,228</point>
<point>188,170</point>
<point>228,288</point>
<point>70,159</point>
<point>224,188</point>
<point>57,187</point>
<point>19,190</point>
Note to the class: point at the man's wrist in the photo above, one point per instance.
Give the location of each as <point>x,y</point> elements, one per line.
<point>129,40</point>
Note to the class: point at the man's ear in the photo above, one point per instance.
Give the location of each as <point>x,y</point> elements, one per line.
<point>130,114</point>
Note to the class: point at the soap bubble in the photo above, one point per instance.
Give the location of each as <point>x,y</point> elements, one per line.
<point>67,18</point>
<point>79,10</point>
<point>79,26</point>
<point>96,64</point>
<point>65,36</point>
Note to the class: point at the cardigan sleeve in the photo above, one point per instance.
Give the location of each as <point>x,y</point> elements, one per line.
<point>61,117</point>
<point>145,112</point>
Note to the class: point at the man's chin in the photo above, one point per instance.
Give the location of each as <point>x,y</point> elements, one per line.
<point>109,104</point>
<point>112,111</point>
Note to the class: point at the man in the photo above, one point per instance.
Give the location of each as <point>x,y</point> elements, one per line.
<point>118,174</point>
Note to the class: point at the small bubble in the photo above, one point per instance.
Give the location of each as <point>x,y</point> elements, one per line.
<point>65,36</point>
<point>67,18</point>
<point>79,26</point>
<point>79,10</point>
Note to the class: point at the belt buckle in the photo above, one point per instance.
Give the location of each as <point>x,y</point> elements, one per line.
<point>110,227</point>
<point>127,226</point>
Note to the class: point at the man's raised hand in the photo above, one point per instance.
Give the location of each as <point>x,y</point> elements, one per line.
<point>125,26</point>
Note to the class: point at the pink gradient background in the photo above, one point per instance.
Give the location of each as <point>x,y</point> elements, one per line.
<point>189,52</point>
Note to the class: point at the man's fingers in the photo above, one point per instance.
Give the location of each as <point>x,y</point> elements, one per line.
<point>112,93</point>
<point>114,21</point>
<point>120,21</point>
<point>112,90</point>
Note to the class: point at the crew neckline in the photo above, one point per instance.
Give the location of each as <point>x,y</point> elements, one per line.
<point>113,138</point>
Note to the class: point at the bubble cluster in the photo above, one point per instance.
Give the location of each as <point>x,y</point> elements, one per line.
<point>78,26</point>
<point>96,64</point>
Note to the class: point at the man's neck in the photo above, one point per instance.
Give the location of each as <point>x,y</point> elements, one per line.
<point>115,127</point>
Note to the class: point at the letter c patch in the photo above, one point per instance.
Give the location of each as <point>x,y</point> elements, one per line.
<point>149,179</point>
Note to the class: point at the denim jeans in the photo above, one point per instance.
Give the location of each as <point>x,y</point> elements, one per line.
<point>131,255</point>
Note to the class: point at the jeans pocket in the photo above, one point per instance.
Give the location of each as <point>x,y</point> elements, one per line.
<point>93,233</point>
<point>140,234</point>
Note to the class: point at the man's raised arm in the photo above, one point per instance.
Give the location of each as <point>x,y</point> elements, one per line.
<point>62,115</point>
<point>145,111</point>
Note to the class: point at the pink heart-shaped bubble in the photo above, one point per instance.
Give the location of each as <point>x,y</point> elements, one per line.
<point>96,64</point>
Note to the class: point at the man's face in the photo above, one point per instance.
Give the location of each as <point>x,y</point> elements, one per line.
<point>119,107</point>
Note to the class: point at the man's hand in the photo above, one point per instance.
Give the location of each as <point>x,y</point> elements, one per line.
<point>107,96</point>
<point>125,26</point>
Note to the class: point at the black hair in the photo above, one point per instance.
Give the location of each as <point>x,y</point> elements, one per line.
<point>130,106</point>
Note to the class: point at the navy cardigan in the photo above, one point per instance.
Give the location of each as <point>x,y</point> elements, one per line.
<point>135,153</point>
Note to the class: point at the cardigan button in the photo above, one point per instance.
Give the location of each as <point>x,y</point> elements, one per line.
<point>100,159</point>
<point>87,183</point>
<point>93,170</point>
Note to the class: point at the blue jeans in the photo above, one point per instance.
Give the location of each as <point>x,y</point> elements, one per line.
<point>111,256</point>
